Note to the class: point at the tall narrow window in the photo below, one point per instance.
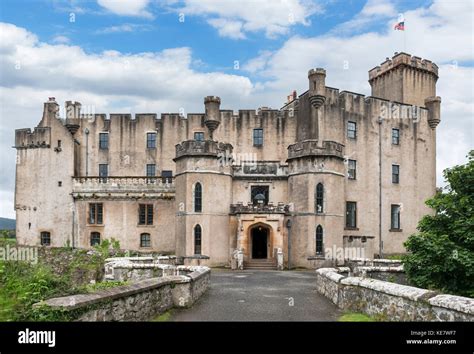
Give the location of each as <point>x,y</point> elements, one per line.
<point>258,137</point>
<point>395,174</point>
<point>395,219</point>
<point>319,240</point>
<point>197,239</point>
<point>150,172</point>
<point>319,198</point>
<point>145,240</point>
<point>197,198</point>
<point>199,136</point>
<point>145,214</point>
<point>95,238</point>
<point>352,169</point>
<point>351,130</point>
<point>96,213</point>
<point>103,172</point>
<point>351,215</point>
<point>45,238</point>
<point>395,136</point>
<point>151,140</point>
<point>103,141</point>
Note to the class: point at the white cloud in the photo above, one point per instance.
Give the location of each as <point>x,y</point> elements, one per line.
<point>127,7</point>
<point>61,39</point>
<point>235,18</point>
<point>126,27</point>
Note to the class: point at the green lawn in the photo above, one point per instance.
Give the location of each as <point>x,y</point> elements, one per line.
<point>355,317</point>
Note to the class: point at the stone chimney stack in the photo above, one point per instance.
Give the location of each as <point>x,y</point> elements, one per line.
<point>213,115</point>
<point>317,87</point>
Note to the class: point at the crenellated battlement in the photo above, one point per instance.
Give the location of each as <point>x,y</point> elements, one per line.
<point>312,148</point>
<point>403,59</point>
<point>202,148</point>
<point>39,138</point>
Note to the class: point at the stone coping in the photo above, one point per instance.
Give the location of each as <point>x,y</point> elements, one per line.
<point>81,300</point>
<point>452,302</point>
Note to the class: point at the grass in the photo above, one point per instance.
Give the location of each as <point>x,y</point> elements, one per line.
<point>164,317</point>
<point>355,317</point>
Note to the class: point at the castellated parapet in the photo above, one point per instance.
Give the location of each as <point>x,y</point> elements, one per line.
<point>202,149</point>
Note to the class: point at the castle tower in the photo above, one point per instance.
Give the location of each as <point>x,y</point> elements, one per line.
<point>312,161</point>
<point>405,79</point>
<point>204,195</point>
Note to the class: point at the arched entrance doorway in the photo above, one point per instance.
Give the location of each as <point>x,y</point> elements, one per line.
<point>259,241</point>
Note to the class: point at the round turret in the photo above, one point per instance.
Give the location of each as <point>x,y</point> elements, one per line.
<point>212,117</point>
<point>317,87</point>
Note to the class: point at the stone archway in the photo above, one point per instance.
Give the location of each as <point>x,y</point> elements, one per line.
<point>260,241</point>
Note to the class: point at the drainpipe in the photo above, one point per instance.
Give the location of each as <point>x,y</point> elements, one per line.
<point>86,131</point>
<point>288,226</point>
<point>380,119</point>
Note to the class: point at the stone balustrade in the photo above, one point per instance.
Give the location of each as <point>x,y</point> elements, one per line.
<point>250,208</point>
<point>117,186</point>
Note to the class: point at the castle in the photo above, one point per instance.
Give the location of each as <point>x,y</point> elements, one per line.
<point>330,170</point>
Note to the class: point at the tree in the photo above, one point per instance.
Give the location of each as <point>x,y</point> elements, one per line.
<point>441,254</point>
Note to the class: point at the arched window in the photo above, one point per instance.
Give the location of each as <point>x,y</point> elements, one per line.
<point>319,240</point>
<point>197,198</point>
<point>95,238</point>
<point>145,240</point>
<point>197,239</point>
<point>319,198</point>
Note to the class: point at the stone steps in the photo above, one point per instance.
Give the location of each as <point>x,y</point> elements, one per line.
<point>261,264</point>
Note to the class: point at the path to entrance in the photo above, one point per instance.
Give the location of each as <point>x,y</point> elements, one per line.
<point>260,296</point>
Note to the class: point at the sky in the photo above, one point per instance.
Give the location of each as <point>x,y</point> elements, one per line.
<point>133,56</point>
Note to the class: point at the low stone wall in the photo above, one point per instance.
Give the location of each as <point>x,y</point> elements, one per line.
<point>140,301</point>
<point>390,301</point>
<point>139,268</point>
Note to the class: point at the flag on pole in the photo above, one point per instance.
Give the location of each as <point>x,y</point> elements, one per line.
<point>400,26</point>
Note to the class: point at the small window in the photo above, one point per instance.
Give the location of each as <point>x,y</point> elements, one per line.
<point>351,215</point>
<point>150,170</point>
<point>258,137</point>
<point>395,136</point>
<point>319,240</point>
<point>351,130</point>
<point>395,217</point>
<point>197,239</point>
<point>95,238</point>
<point>395,174</point>
<point>257,192</point>
<point>151,140</point>
<point>145,240</point>
<point>352,169</point>
<point>197,198</point>
<point>96,213</point>
<point>199,136</point>
<point>145,214</point>
<point>167,176</point>
<point>103,141</point>
<point>319,198</point>
<point>45,238</point>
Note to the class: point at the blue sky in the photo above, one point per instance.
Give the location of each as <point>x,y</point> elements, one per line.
<point>140,56</point>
